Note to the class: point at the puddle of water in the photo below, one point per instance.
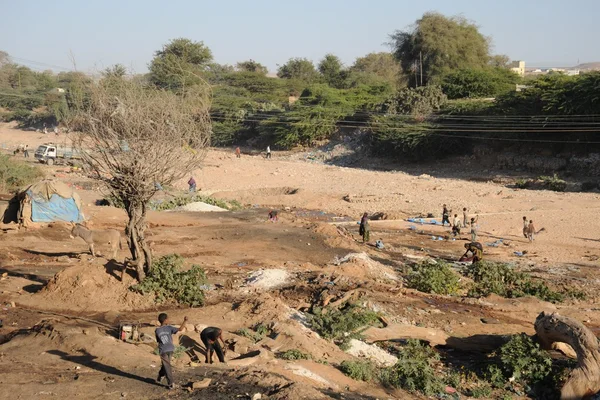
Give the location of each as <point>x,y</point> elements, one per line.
<point>317,215</point>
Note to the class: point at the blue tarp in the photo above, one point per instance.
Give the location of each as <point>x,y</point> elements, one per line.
<point>56,209</point>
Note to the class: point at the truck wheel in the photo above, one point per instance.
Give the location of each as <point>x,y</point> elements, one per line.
<point>50,161</point>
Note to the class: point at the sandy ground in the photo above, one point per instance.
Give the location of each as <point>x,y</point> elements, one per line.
<point>55,355</point>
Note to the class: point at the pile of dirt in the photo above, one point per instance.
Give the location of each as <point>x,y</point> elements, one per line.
<point>360,265</point>
<point>371,352</point>
<point>88,287</point>
<point>266,279</point>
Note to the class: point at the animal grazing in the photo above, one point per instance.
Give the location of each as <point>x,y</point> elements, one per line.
<point>92,237</point>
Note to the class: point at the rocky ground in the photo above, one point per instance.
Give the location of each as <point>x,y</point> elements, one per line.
<point>61,306</point>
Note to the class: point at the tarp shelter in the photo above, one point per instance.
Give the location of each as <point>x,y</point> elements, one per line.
<point>49,201</point>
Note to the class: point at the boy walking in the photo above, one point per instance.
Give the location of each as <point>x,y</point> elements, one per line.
<point>446,216</point>
<point>164,338</point>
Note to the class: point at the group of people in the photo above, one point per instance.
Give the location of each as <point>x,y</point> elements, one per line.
<point>458,223</point>
<point>210,337</point>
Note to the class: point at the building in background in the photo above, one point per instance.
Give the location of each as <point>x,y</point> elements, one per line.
<point>518,67</point>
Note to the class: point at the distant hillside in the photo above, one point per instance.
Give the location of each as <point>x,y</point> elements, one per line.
<point>588,66</point>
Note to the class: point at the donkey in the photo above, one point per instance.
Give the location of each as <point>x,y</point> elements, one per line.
<point>110,236</point>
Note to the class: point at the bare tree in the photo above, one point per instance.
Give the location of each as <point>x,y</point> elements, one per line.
<point>133,137</point>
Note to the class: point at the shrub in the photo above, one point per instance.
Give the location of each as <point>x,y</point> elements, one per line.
<point>524,360</point>
<point>359,370</point>
<point>482,391</point>
<point>414,370</point>
<point>15,174</point>
<point>480,82</point>
<point>554,183</point>
<point>256,334</point>
<point>168,283</point>
<point>341,325</point>
<point>294,354</point>
<point>434,278</point>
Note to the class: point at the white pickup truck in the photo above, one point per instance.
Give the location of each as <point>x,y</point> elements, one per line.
<point>51,153</point>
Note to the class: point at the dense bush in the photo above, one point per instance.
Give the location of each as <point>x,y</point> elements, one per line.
<point>421,101</point>
<point>16,174</point>
<point>480,82</point>
<point>167,282</point>
<point>359,370</point>
<point>434,278</point>
<point>341,325</point>
<point>503,280</point>
<point>414,370</point>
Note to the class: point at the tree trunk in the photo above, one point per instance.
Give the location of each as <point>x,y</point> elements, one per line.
<point>140,251</point>
<point>585,378</point>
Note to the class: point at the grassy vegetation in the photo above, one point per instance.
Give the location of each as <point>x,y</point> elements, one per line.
<point>15,174</point>
<point>294,354</point>
<point>256,334</point>
<point>435,277</point>
<point>183,200</point>
<point>359,370</point>
<point>167,282</point>
<point>341,325</point>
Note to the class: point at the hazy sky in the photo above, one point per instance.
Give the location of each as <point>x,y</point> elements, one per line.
<point>102,33</point>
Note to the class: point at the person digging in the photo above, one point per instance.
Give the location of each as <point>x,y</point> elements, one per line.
<point>210,337</point>
<point>476,250</point>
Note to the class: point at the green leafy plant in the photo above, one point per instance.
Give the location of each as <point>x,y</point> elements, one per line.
<point>256,334</point>
<point>167,282</point>
<point>434,278</point>
<point>294,354</point>
<point>481,391</point>
<point>341,325</point>
<point>553,183</point>
<point>523,359</point>
<point>359,370</point>
<point>179,351</point>
<point>414,370</point>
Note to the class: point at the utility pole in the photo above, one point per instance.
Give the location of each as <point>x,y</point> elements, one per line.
<point>415,68</point>
<point>421,65</point>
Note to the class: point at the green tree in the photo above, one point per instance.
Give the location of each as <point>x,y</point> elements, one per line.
<point>252,66</point>
<point>499,60</point>
<point>298,68</point>
<point>382,65</point>
<point>116,71</point>
<point>444,44</point>
<point>331,68</point>
<point>180,63</point>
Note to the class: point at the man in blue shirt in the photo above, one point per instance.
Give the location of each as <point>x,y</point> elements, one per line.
<point>164,338</point>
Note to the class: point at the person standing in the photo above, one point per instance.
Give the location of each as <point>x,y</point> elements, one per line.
<point>525,228</point>
<point>164,338</point>
<point>238,152</point>
<point>446,216</point>
<point>465,217</point>
<point>364,230</point>
<point>26,151</point>
<point>192,184</point>
<point>474,228</point>
<point>210,337</point>
<point>530,231</point>
<point>269,152</point>
<point>456,225</point>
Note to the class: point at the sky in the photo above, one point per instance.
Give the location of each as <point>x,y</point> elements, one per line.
<point>97,34</point>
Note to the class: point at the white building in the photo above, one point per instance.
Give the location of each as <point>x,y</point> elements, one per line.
<point>518,67</point>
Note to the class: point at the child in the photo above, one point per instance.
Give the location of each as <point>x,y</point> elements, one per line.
<point>364,230</point>
<point>210,337</point>
<point>456,225</point>
<point>525,227</point>
<point>192,184</point>
<point>446,216</point>
<point>530,231</point>
<point>465,217</point>
<point>273,217</point>
<point>166,347</point>
<point>474,228</point>
<point>238,153</point>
